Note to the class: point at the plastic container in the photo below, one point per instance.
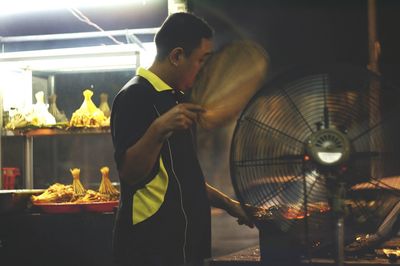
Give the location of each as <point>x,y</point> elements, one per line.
<point>8,177</point>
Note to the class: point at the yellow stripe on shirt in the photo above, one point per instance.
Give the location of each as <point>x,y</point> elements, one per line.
<point>148,200</point>
<point>154,80</point>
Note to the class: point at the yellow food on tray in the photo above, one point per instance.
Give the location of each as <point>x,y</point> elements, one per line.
<point>35,115</point>
<point>18,120</point>
<point>93,196</point>
<point>76,193</point>
<point>106,188</point>
<point>40,116</point>
<point>88,115</point>
<point>56,193</point>
<point>79,190</point>
<point>388,252</point>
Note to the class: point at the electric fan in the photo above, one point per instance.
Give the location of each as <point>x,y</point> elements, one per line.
<point>316,154</point>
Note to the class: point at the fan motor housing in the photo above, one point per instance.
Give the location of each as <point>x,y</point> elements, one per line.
<point>328,147</point>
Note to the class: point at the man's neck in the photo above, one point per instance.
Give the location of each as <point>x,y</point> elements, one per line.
<point>164,72</point>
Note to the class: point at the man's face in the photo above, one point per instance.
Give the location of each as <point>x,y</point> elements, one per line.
<point>192,64</point>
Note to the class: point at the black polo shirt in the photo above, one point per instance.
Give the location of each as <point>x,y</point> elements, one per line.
<point>166,217</point>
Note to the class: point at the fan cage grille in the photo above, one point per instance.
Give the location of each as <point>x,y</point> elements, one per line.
<point>268,148</point>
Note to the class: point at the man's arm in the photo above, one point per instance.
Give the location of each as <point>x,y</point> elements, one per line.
<point>139,159</point>
<point>220,200</point>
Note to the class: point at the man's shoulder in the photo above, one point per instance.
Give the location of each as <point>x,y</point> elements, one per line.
<point>137,84</point>
<point>136,87</point>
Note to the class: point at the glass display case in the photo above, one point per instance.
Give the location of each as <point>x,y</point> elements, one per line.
<point>45,156</point>
<point>36,155</point>
<point>39,156</point>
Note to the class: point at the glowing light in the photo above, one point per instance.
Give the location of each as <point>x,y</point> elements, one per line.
<point>16,88</point>
<point>24,6</point>
<point>110,57</point>
<point>330,157</point>
<point>16,67</point>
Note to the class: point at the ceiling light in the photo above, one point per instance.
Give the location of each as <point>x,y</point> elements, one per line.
<point>111,57</point>
<point>29,6</point>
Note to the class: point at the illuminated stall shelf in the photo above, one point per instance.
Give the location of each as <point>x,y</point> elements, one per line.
<point>54,131</point>
<point>66,61</point>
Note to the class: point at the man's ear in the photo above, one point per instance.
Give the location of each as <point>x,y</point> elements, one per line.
<point>176,55</point>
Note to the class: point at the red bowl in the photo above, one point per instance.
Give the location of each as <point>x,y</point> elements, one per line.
<point>104,206</point>
<point>66,207</point>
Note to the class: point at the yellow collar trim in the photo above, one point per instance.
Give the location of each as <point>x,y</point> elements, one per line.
<point>157,83</point>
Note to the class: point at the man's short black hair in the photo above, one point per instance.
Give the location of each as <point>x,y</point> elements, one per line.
<point>181,30</point>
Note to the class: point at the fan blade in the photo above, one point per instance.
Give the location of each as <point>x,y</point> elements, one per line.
<point>282,186</point>
<point>267,127</point>
<point>297,110</point>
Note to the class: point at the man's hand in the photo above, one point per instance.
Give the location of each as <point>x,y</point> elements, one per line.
<point>180,117</point>
<point>233,207</point>
<point>236,210</point>
<point>146,150</point>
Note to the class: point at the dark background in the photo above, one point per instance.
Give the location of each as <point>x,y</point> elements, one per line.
<point>292,32</point>
<point>308,31</point>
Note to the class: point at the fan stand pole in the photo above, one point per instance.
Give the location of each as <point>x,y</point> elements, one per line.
<point>306,224</point>
<point>340,241</point>
<point>339,213</point>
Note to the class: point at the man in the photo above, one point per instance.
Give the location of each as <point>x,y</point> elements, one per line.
<point>164,212</point>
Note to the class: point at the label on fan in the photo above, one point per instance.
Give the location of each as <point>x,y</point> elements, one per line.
<point>330,157</point>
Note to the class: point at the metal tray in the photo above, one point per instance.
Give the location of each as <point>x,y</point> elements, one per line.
<point>16,200</point>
